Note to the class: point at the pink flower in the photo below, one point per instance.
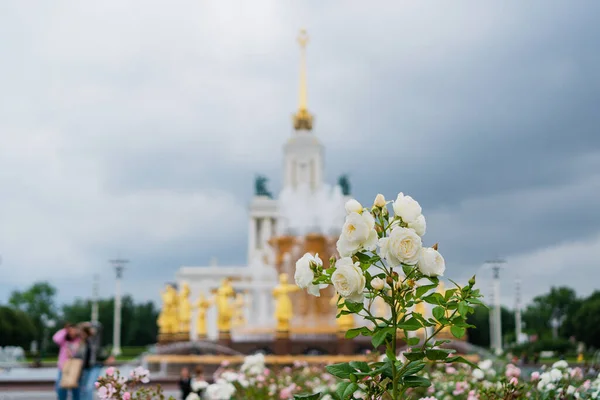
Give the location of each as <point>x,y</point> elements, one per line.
<point>431,389</point>
<point>535,376</point>
<point>97,384</point>
<point>587,384</point>
<point>286,393</point>
<point>472,395</point>
<point>267,371</point>
<point>576,373</point>
<point>110,371</point>
<point>514,381</point>
<point>450,370</point>
<point>460,388</point>
<point>512,371</point>
<point>126,396</point>
<point>260,378</point>
<point>225,363</point>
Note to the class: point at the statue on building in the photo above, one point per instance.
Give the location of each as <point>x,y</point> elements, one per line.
<point>168,321</point>
<point>202,305</point>
<point>344,184</point>
<point>260,187</point>
<point>344,322</point>
<point>184,309</point>
<point>238,318</point>
<point>283,304</point>
<point>224,307</point>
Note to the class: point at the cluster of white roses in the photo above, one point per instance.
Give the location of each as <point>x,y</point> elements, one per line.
<point>395,238</point>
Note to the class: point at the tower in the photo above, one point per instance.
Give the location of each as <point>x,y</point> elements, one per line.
<point>303,153</point>
<point>302,166</point>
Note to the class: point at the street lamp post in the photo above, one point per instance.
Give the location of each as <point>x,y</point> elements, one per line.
<point>119,265</point>
<point>496,329</point>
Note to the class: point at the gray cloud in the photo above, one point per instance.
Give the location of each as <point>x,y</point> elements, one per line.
<point>139,129</point>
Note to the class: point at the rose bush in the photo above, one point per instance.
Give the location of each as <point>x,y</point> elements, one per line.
<point>383,257</point>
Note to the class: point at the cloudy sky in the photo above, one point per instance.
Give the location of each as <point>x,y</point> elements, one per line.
<point>135,128</point>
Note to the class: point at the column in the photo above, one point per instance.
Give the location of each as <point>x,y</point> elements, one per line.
<point>116,350</point>
<point>251,238</point>
<point>266,230</point>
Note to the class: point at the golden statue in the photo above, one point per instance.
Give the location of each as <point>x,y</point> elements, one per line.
<point>202,304</point>
<point>168,318</point>
<point>283,304</point>
<point>344,322</point>
<point>224,310</point>
<point>184,311</point>
<point>238,315</point>
<point>161,322</point>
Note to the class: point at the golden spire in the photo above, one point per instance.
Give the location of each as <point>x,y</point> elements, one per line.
<point>303,119</point>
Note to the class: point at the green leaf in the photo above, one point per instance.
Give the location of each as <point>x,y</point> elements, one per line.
<point>380,335</point>
<point>449,294</point>
<point>458,331</point>
<point>352,333</point>
<point>438,312</point>
<point>414,355</point>
<point>354,307</point>
<point>436,355</point>
<point>416,381</point>
<point>360,365</point>
<point>459,359</point>
<point>421,290</point>
<point>389,353</point>
<point>440,342</point>
<point>413,367</point>
<point>478,302</point>
<point>413,341</point>
<point>463,308</point>
<point>341,370</point>
<point>344,390</point>
<point>435,298</point>
<point>311,396</point>
<point>410,325</point>
<point>407,269</point>
<point>341,388</point>
<point>363,258</point>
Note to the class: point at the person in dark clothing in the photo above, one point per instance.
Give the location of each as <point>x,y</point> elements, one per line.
<point>93,359</point>
<point>185,383</point>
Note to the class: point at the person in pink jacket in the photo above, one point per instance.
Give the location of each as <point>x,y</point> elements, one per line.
<point>67,340</point>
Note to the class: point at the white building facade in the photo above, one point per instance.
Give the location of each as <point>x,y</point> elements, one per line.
<point>304,205</point>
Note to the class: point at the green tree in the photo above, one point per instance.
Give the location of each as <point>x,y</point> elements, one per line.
<point>480,335</point>
<point>586,321</point>
<point>138,320</point>
<point>560,302</point>
<point>37,302</point>
<point>16,328</point>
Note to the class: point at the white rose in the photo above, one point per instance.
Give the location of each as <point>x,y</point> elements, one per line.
<point>418,225</point>
<point>199,385</point>
<point>377,283</point>
<point>379,201</point>
<point>220,390</point>
<point>485,364</point>
<point>348,280</point>
<point>478,374</point>
<point>192,396</point>
<point>431,262</point>
<point>304,275</point>
<point>401,247</point>
<point>353,206</point>
<point>560,364</point>
<point>406,208</point>
<point>358,233</point>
